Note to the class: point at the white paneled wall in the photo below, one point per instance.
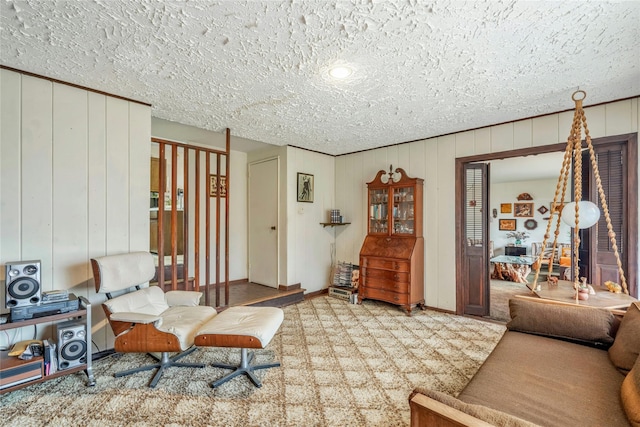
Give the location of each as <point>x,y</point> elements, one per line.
<point>434,160</point>
<point>305,246</point>
<point>309,244</point>
<point>74,184</point>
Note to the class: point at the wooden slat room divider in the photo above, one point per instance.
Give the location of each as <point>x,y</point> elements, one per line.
<point>192,208</point>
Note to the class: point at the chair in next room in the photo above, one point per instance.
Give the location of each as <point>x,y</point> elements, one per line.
<point>145,319</point>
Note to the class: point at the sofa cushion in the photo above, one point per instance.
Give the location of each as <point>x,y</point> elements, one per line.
<point>626,348</point>
<point>584,325</point>
<point>630,394</point>
<point>549,382</point>
<point>488,415</point>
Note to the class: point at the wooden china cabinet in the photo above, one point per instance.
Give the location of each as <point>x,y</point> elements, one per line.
<point>392,255</point>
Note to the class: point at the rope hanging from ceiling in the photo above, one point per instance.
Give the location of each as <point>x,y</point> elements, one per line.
<point>573,153</point>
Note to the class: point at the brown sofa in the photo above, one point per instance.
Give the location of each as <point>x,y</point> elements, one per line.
<point>556,365</point>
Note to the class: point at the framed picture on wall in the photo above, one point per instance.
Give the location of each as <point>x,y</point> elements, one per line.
<point>523,210</point>
<point>507,225</point>
<point>505,207</point>
<point>213,186</point>
<point>305,187</point>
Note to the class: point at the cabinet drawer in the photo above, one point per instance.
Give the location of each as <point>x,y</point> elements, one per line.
<point>372,273</point>
<point>386,264</point>
<point>387,285</point>
<point>389,296</point>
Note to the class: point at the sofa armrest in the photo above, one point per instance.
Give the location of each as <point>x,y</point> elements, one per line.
<point>426,411</point>
<point>433,408</point>
<point>136,318</point>
<point>184,298</point>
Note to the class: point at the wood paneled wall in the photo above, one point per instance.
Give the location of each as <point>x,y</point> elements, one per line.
<point>74,184</point>
<point>433,160</point>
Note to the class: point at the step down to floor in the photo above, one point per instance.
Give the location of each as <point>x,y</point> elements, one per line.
<point>281,299</point>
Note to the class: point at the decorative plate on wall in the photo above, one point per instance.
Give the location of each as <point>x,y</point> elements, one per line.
<point>531,224</point>
<point>543,209</point>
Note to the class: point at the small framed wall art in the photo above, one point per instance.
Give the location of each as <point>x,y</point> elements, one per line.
<point>523,210</point>
<point>505,207</point>
<point>213,185</point>
<point>305,187</point>
<point>507,225</point>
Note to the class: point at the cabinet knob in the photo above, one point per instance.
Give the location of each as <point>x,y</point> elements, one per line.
<point>396,276</point>
<point>397,266</point>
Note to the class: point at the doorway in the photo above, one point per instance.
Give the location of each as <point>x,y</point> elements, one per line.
<point>512,182</point>
<point>263,222</point>
<point>472,286</point>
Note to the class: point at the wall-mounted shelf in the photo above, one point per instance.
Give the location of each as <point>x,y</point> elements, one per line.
<point>331,224</point>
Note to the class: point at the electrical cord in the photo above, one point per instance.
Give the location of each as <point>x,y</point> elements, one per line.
<point>10,341</point>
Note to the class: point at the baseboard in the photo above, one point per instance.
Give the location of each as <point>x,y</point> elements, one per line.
<point>441,310</point>
<point>316,294</point>
<point>289,287</point>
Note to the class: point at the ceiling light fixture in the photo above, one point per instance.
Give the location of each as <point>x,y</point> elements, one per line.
<point>340,72</point>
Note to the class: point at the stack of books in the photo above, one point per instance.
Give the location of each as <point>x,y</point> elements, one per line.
<point>334,216</point>
<point>50,357</point>
<point>343,275</point>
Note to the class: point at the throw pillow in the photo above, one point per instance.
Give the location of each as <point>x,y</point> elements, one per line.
<point>626,348</point>
<point>585,325</point>
<point>630,394</point>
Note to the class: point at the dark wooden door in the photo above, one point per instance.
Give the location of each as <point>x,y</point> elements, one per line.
<point>597,257</point>
<point>475,248</point>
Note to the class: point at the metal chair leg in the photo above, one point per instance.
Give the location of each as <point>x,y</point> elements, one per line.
<point>164,362</point>
<point>245,368</point>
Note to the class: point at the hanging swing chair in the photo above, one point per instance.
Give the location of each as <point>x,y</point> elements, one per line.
<point>578,213</point>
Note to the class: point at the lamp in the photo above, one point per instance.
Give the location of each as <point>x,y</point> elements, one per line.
<point>579,214</point>
<point>589,214</point>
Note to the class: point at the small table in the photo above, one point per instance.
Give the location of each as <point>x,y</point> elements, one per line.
<point>511,268</point>
<point>563,292</point>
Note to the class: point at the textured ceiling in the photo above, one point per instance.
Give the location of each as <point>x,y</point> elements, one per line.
<point>421,69</point>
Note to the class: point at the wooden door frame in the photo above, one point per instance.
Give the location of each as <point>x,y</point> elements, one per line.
<point>631,172</point>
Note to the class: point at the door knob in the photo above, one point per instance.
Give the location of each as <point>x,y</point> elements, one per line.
<point>273,227</point>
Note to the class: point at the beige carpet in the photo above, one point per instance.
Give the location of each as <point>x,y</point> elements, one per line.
<point>500,293</point>
<point>342,365</point>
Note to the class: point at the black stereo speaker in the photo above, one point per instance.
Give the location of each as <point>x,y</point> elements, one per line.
<point>72,344</point>
<point>22,282</point>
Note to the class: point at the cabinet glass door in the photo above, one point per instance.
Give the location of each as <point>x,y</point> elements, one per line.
<point>378,211</point>
<point>403,210</point>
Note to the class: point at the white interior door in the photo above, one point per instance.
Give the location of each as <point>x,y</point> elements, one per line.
<point>263,222</point>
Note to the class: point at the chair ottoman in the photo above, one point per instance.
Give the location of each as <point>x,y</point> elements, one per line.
<point>241,327</point>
